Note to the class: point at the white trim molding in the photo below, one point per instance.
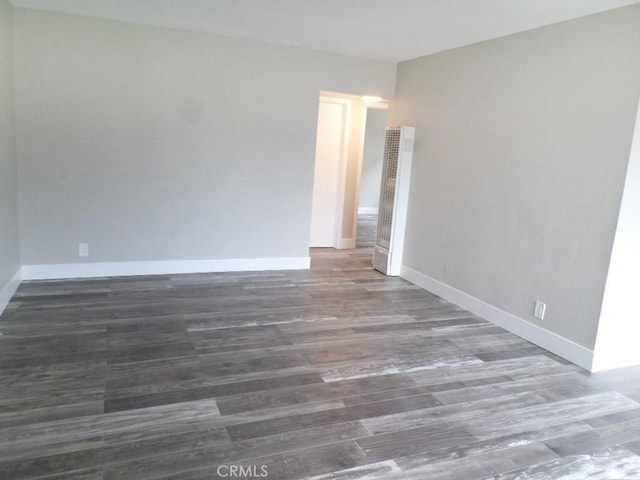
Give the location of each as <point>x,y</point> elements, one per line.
<point>368,210</point>
<point>8,290</point>
<point>546,339</point>
<point>120,269</point>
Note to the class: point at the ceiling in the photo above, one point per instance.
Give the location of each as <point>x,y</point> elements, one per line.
<point>392,30</point>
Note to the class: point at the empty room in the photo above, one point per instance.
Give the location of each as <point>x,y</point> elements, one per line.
<point>296,239</point>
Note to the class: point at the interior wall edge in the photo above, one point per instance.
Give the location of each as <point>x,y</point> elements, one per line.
<point>9,289</point>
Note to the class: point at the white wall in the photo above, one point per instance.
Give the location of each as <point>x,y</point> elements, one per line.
<point>619,326</point>
<point>154,144</point>
<point>521,150</point>
<point>333,121</point>
<point>372,158</point>
<point>9,226</point>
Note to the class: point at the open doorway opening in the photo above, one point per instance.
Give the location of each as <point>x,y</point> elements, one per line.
<point>340,146</point>
<point>332,146</point>
<point>372,160</point>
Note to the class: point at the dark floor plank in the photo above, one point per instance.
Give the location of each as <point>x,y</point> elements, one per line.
<point>413,441</point>
<point>292,465</point>
<point>204,392</point>
<point>301,393</point>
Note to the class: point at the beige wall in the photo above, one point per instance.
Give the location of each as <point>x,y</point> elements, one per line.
<point>9,228</point>
<point>158,144</point>
<point>522,145</point>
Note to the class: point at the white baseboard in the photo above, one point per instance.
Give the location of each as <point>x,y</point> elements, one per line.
<point>119,269</point>
<point>8,290</point>
<point>546,339</point>
<point>368,211</point>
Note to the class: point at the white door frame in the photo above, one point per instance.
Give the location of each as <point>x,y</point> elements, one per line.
<point>342,167</point>
<point>354,108</point>
<point>338,214</point>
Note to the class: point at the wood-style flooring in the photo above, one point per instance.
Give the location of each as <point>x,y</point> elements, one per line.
<point>333,373</point>
<point>367,225</point>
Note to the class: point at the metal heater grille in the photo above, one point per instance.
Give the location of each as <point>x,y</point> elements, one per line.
<point>388,190</point>
<point>380,259</point>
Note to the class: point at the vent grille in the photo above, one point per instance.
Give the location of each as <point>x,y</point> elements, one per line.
<point>380,260</point>
<point>388,190</point>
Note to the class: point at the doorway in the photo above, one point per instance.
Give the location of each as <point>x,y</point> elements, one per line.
<point>340,145</point>
<point>331,150</point>
<point>371,175</point>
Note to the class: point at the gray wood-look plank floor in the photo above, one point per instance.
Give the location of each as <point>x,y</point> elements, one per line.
<point>333,373</point>
<point>367,225</point>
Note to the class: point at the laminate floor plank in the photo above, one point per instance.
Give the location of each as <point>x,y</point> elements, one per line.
<point>470,411</point>
<point>337,372</point>
<point>482,466</point>
<point>412,441</point>
<point>300,463</point>
<point>172,395</point>
<point>367,227</point>
<point>552,387</point>
<point>549,414</point>
<point>613,463</point>
<point>371,471</point>
<point>429,456</point>
<point>40,438</point>
<point>315,392</point>
<point>48,413</point>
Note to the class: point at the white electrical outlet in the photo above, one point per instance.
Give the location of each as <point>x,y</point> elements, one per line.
<point>83,249</point>
<point>539,310</point>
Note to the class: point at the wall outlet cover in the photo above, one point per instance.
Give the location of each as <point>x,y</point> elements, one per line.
<point>539,310</point>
